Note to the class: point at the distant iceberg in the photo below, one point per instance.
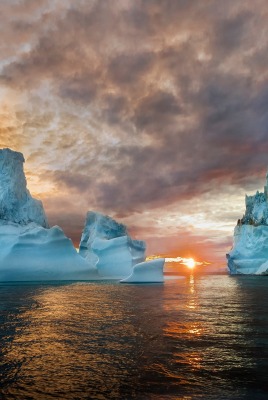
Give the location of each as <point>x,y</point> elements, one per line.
<point>29,249</point>
<point>249,254</point>
<point>106,244</point>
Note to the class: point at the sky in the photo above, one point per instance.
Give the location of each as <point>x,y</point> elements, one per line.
<point>151,111</point>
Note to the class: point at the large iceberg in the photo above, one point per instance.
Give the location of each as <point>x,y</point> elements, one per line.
<point>106,244</point>
<point>33,253</point>
<point>249,254</point>
<point>147,272</point>
<point>29,249</point>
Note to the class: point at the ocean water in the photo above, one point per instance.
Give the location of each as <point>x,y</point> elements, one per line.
<point>197,337</point>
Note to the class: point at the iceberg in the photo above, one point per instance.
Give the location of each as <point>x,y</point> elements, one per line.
<point>32,251</point>
<point>29,249</point>
<point>147,272</point>
<point>249,254</point>
<point>16,203</point>
<point>107,245</point>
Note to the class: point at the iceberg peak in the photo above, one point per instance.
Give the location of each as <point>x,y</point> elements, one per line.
<point>16,203</point>
<point>249,254</point>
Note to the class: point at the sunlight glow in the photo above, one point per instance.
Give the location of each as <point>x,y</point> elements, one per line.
<point>190,263</point>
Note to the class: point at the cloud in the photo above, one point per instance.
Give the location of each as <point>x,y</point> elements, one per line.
<point>232,32</point>
<point>130,107</point>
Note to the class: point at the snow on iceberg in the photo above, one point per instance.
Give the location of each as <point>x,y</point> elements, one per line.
<point>29,250</point>
<point>147,272</point>
<point>107,244</point>
<point>249,254</point>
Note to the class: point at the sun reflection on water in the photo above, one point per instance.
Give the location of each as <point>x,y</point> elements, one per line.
<point>176,329</point>
<point>193,326</point>
<point>192,303</point>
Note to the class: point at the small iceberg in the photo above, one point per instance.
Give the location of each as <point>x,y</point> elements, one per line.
<point>147,272</point>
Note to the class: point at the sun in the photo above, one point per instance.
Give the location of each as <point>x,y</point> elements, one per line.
<point>190,263</point>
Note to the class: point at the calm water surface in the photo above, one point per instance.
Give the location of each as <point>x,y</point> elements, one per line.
<point>199,337</point>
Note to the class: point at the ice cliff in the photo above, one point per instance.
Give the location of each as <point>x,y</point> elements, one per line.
<point>106,244</point>
<point>249,254</point>
<point>16,203</point>
<point>29,249</point>
<point>33,253</point>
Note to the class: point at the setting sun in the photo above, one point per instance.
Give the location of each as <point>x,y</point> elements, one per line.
<point>190,263</point>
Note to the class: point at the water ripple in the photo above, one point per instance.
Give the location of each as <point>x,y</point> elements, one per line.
<point>195,338</point>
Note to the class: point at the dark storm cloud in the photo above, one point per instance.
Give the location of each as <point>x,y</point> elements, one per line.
<point>77,181</point>
<point>79,89</point>
<point>231,32</point>
<point>45,61</point>
<point>115,108</point>
<point>184,81</point>
<point>127,68</point>
<point>155,110</point>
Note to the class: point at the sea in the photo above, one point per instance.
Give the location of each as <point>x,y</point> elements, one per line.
<point>193,337</point>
